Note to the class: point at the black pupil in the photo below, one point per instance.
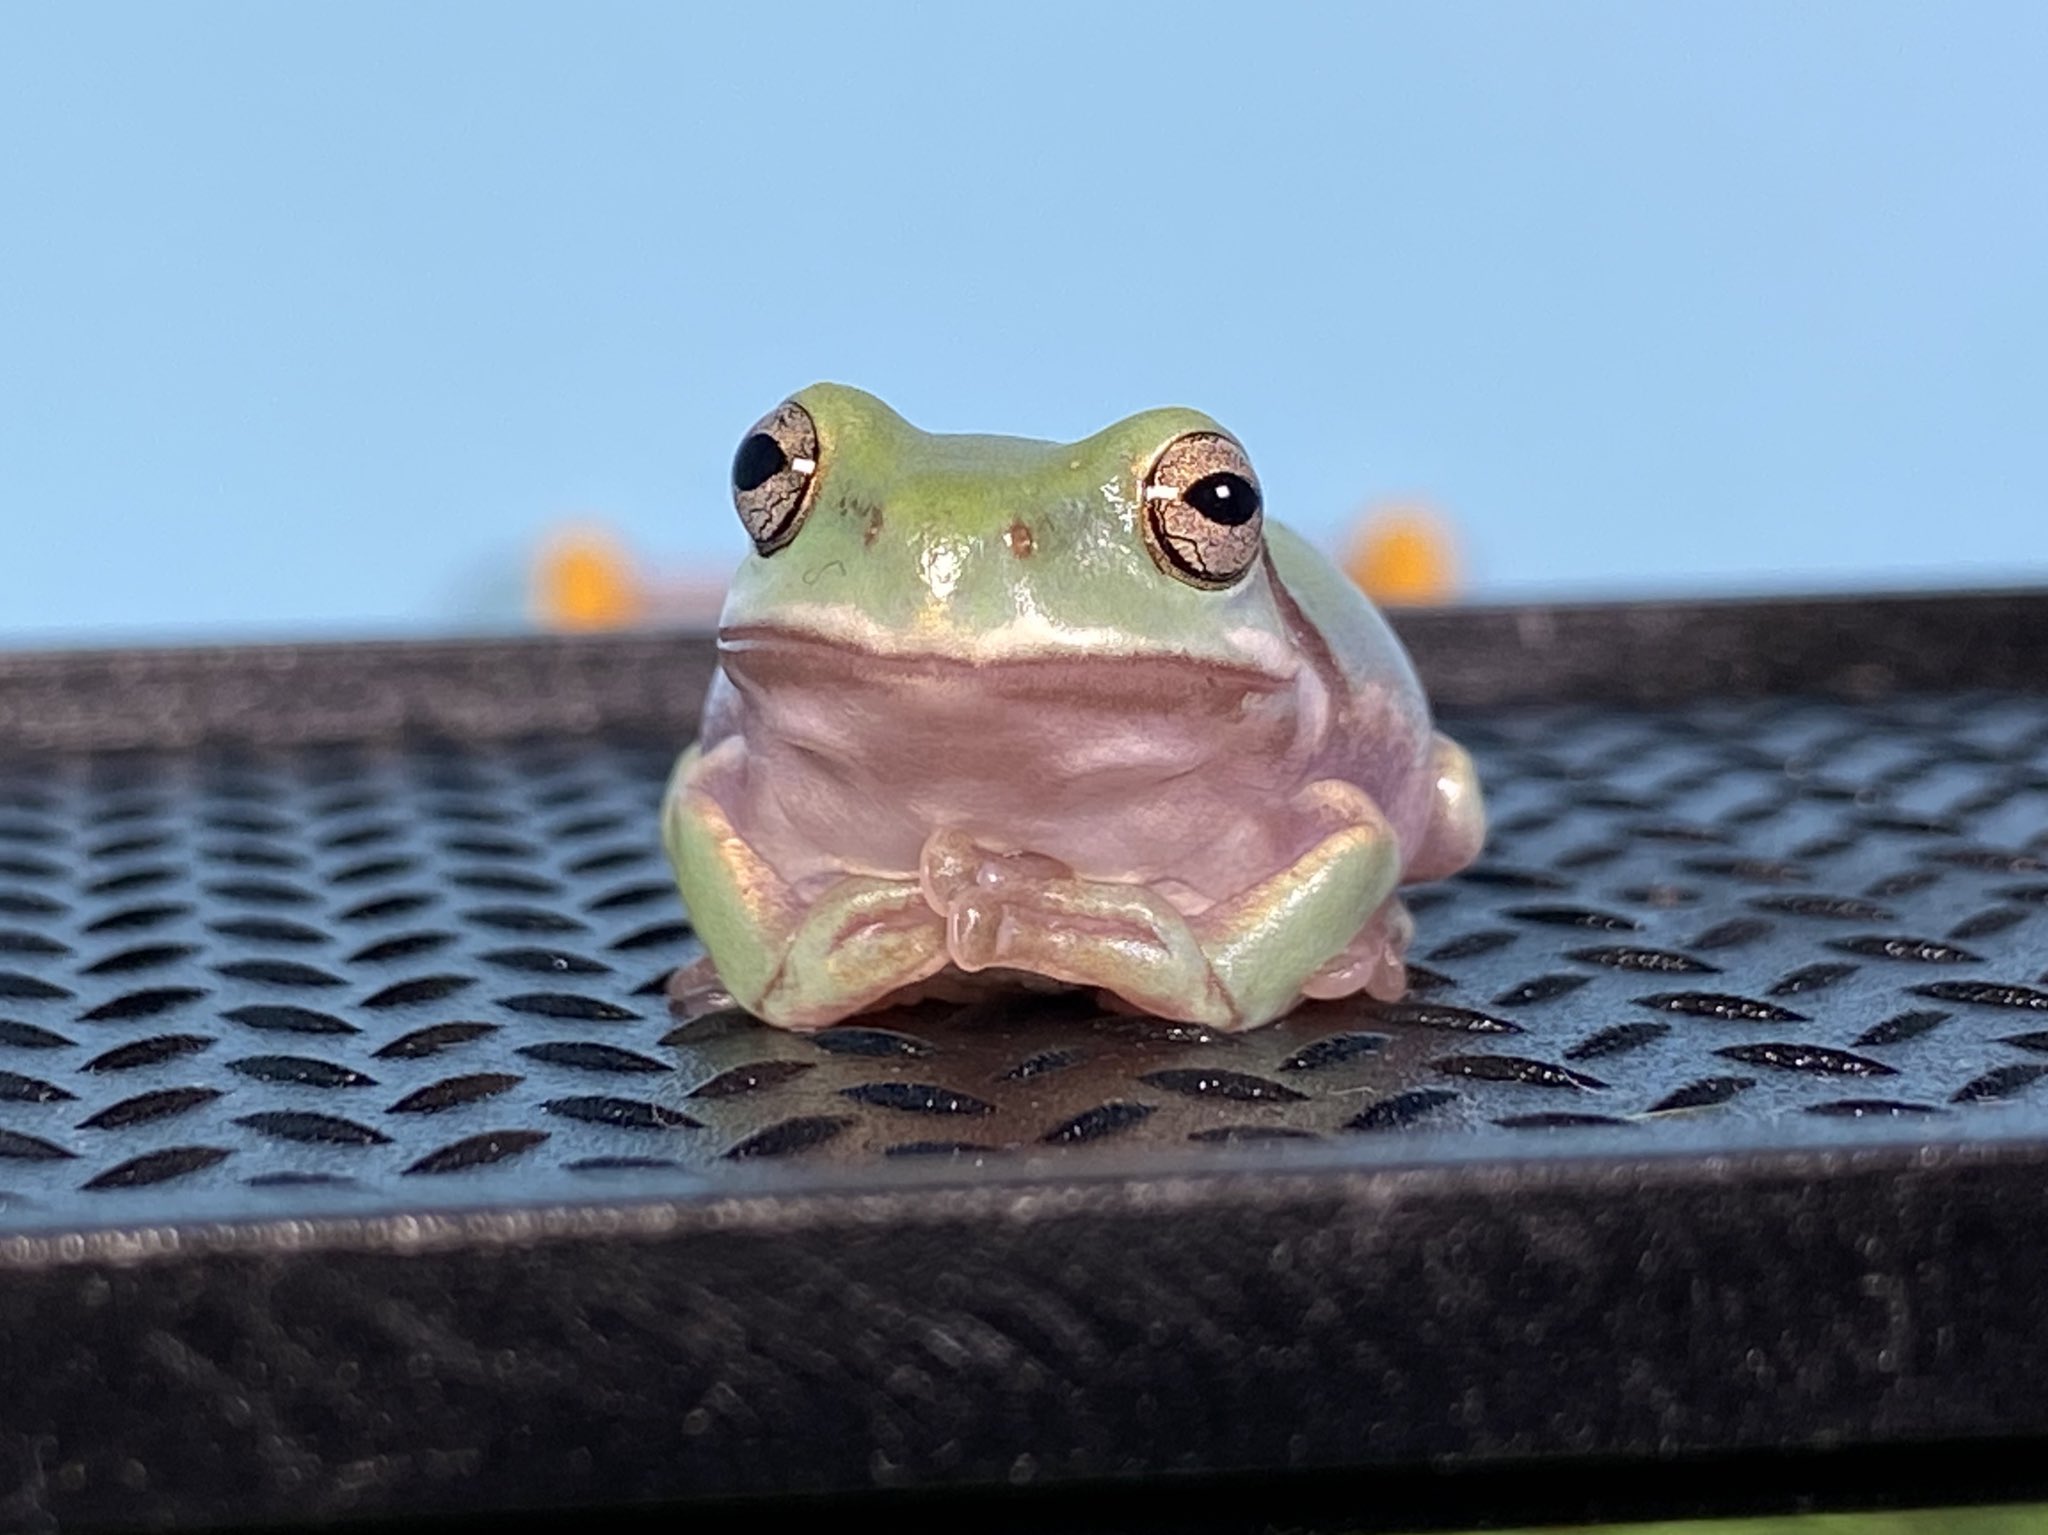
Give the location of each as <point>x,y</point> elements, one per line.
<point>1228,498</point>
<point>758,461</point>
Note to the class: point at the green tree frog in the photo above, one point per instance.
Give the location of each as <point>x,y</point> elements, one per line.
<point>990,709</point>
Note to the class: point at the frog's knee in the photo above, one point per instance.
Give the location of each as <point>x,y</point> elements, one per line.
<point>1457,816</point>
<point>1264,945</point>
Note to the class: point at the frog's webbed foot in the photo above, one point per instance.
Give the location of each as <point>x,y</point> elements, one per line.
<point>1234,966</point>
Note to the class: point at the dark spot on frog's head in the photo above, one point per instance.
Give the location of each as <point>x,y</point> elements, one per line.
<point>865,511</point>
<point>1019,539</point>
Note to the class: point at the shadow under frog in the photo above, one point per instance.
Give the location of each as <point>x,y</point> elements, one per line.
<point>1017,1073</point>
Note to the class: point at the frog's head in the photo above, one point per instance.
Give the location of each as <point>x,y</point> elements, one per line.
<point>1145,539</point>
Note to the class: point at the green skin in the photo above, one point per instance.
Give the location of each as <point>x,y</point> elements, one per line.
<point>1002,586</point>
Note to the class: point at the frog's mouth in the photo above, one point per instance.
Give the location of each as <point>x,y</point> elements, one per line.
<point>1086,662</point>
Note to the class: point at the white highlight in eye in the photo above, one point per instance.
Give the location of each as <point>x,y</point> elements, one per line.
<point>803,465</point>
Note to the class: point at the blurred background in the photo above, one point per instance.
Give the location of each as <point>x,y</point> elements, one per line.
<point>324,320</point>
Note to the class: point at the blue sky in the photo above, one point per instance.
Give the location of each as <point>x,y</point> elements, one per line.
<point>313,317</point>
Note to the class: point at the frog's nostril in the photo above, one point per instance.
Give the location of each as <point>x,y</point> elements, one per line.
<point>1019,539</point>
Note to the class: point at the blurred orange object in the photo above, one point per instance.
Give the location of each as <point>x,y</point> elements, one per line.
<point>1404,554</point>
<point>585,580</point>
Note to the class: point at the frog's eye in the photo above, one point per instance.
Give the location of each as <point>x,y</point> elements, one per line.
<point>1202,506</point>
<point>772,475</point>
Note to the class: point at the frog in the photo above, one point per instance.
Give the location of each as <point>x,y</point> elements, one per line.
<point>994,712</point>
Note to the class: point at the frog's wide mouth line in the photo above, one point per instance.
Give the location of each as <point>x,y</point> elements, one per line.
<point>795,653</point>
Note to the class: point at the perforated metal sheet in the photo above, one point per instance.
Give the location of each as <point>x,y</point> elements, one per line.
<point>360,949</point>
<point>366,967</point>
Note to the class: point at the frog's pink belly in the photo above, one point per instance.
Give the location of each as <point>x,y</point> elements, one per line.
<point>1166,771</point>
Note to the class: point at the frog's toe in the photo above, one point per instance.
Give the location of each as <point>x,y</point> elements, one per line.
<point>695,989</point>
<point>953,868</point>
<point>946,866</point>
<point>1375,962</point>
<point>974,933</point>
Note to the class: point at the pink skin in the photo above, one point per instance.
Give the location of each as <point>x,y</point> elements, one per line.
<point>1179,774</point>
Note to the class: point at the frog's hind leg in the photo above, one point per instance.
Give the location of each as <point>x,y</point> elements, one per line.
<point>800,960</point>
<point>1375,962</point>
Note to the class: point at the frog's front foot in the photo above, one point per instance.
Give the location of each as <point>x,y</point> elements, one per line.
<point>1025,911</point>
<point>977,891</point>
<point>1238,964</point>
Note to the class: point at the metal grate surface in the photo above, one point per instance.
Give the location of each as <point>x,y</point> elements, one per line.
<point>351,1160</point>
<point>367,967</point>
